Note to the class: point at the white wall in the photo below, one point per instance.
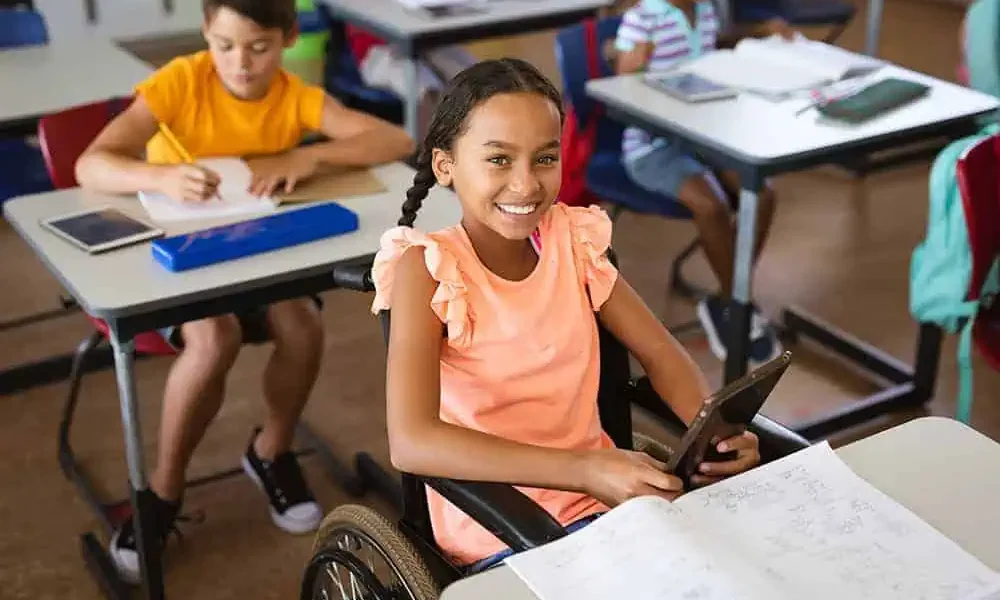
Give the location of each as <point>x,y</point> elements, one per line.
<point>119,19</point>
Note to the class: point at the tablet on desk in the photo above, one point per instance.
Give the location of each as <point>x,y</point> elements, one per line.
<point>689,87</point>
<point>101,229</point>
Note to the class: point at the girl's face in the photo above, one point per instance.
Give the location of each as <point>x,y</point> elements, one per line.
<point>505,166</point>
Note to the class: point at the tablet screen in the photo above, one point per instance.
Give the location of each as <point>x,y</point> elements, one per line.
<point>689,84</point>
<point>99,227</point>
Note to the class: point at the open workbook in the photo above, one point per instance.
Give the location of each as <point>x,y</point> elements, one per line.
<point>805,526</point>
<point>776,67</point>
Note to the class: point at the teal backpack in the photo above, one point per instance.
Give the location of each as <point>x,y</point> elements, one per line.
<point>941,269</point>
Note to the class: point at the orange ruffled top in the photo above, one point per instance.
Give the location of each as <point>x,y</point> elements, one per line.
<point>521,360</point>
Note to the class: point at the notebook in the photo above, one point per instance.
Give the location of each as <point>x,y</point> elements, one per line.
<point>233,200</point>
<point>805,526</point>
<point>777,67</point>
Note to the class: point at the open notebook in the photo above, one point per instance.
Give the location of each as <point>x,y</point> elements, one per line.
<point>233,198</point>
<point>805,526</point>
<point>776,67</point>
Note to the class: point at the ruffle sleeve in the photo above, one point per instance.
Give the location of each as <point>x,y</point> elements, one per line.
<point>590,232</point>
<point>450,299</point>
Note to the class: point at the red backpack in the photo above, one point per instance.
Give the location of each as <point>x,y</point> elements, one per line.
<point>579,139</point>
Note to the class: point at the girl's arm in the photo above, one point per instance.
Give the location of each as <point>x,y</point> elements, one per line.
<point>421,443</point>
<point>674,375</point>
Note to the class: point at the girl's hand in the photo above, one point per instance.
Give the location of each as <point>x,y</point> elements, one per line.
<point>282,171</point>
<point>614,476</point>
<point>747,448</point>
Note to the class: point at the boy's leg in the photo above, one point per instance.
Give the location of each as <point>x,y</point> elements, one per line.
<point>296,329</point>
<point>297,332</point>
<point>766,201</point>
<point>191,399</point>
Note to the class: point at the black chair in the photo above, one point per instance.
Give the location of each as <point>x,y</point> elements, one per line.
<point>358,552</point>
<point>836,14</point>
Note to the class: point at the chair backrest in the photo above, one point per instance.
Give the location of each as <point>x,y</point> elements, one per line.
<point>978,173</point>
<point>65,135</point>
<point>571,56</point>
<point>19,27</point>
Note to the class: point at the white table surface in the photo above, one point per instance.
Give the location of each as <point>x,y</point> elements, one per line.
<point>759,132</point>
<point>940,469</point>
<point>45,79</point>
<point>407,23</point>
<point>128,281</point>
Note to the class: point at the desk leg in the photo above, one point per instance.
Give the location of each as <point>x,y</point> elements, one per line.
<point>873,26</point>
<point>740,307</point>
<point>142,501</point>
<point>411,104</point>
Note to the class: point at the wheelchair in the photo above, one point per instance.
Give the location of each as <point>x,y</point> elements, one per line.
<point>359,553</point>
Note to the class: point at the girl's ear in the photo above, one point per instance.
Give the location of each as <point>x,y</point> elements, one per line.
<point>442,165</point>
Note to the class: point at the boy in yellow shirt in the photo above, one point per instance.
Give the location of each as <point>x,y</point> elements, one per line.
<point>234,100</point>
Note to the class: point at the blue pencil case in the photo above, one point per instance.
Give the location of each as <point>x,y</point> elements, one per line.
<point>237,240</point>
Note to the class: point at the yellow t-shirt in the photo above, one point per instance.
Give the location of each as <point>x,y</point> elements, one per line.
<point>188,96</point>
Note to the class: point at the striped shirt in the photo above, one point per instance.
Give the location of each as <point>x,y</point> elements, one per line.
<point>674,39</point>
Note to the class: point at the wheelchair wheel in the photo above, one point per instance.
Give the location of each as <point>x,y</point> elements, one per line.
<point>359,554</point>
<point>654,448</point>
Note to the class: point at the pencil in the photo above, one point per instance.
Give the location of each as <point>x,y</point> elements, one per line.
<point>180,149</point>
<point>175,143</point>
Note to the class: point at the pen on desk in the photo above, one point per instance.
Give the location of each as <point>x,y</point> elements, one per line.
<point>180,149</point>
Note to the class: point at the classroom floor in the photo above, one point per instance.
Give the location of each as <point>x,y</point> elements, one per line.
<point>840,248</point>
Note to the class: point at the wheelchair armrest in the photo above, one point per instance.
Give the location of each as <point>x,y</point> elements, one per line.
<point>503,510</point>
<point>355,276</point>
<point>776,440</point>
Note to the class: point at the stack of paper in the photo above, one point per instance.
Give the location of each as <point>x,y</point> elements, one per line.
<point>233,199</point>
<point>805,526</point>
<point>777,67</point>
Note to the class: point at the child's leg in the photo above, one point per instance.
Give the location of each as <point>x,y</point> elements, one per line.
<point>192,397</point>
<point>765,207</point>
<point>297,331</point>
<point>669,171</point>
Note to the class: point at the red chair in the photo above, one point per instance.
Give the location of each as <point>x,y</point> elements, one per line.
<point>63,138</point>
<point>978,174</point>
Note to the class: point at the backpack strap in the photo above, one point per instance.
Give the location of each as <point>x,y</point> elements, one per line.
<point>987,295</point>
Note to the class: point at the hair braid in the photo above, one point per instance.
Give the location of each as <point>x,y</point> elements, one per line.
<point>423,181</point>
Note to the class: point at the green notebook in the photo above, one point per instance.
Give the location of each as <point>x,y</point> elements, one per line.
<point>874,100</point>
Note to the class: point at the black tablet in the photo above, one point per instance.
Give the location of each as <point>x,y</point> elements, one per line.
<point>100,229</point>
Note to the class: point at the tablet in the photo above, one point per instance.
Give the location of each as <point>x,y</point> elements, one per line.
<point>689,87</point>
<point>100,229</point>
<point>725,414</point>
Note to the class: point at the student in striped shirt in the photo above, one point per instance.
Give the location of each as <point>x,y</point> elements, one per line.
<point>656,35</point>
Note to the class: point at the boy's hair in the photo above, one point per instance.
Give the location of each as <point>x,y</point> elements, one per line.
<point>466,91</point>
<point>269,14</point>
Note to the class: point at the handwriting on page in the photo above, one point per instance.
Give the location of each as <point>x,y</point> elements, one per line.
<point>816,529</point>
<point>643,550</point>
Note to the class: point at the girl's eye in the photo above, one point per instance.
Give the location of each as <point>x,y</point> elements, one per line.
<point>500,161</point>
<point>548,160</point>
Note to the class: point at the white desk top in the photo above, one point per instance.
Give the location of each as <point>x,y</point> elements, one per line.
<point>129,281</point>
<point>938,468</point>
<point>45,79</point>
<point>408,24</point>
<point>761,132</point>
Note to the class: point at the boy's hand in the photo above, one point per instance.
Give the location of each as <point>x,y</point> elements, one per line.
<point>747,449</point>
<point>282,171</point>
<point>614,476</point>
<point>189,183</point>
